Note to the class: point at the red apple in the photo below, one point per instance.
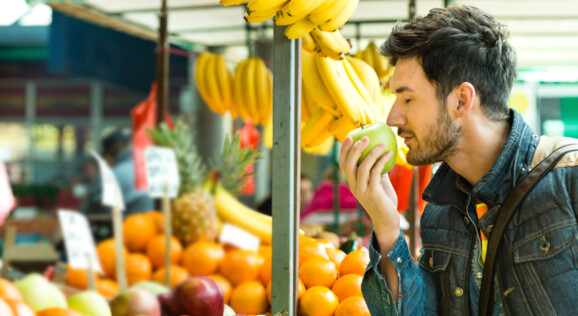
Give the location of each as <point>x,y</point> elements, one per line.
<point>378,133</point>
<point>134,302</point>
<point>163,299</point>
<point>197,296</point>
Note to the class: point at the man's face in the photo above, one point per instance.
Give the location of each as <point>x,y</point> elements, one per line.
<point>421,119</point>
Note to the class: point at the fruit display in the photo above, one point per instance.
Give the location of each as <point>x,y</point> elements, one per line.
<point>379,63</point>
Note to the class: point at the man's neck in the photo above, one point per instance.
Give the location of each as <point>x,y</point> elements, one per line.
<point>479,148</point>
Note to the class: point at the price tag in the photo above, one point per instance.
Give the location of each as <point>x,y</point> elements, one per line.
<point>161,170</point>
<point>78,240</point>
<point>239,237</point>
<point>111,194</point>
<point>6,198</point>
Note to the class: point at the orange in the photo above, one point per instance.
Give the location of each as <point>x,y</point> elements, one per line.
<point>137,231</point>
<point>336,255</point>
<point>5,309</point>
<point>159,219</point>
<point>318,301</point>
<point>224,284</point>
<point>203,257</point>
<point>265,250</point>
<point>325,242</point>
<point>156,251</point>
<point>249,298</point>
<point>347,285</point>
<point>58,311</point>
<point>177,275</point>
<point>107,288</point>
<point>21,309</point>
<point>9,292</point>
<point>106,255</point>
<point>300,291</point>
<point>352,306</point>
<point>78,278</point>
<point>265,271</point>
<point>355,262</point>
<point>241,265</point>
<point>138,268</point>
<point>318,271</point>
<point>309,248</point>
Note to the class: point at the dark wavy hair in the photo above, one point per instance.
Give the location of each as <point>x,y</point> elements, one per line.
<point>455,45</point>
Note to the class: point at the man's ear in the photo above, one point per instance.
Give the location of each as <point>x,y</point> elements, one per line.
<point>465,95</point>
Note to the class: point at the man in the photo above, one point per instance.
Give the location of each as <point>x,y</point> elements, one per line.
<point>454,72</point>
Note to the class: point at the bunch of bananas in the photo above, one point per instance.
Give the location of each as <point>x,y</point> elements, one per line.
<point>314,20</point>
<point>378,62</point>
<point>248,94</point>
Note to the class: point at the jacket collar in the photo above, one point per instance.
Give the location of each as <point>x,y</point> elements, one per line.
<point>448,187</point>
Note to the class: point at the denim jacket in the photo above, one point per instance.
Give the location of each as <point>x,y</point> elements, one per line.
<point>537,267</point>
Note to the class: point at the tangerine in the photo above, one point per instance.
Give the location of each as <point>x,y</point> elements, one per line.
<point>137,231</point>
<point>352,306</point>
<point>347,285</point>
<point>318,271</point>
<point>354,262</point>
<point>318,301</point>
<point>265,271</point>
<point>249,298</point>
<point>241,265</point>
<point>78,278</point>
<point>203,257</point>
<point>107,288</point>
<point>159,219</point>
<point>107,254</point>
<point>156,251</point>
<point>225,286</point>
<point>58,311</point>
<point>336,255</point>
<point>138,268</point>
<point>311,248</point>
<point>21,309</point>
<point>177,274</point>
<point>9,292</point>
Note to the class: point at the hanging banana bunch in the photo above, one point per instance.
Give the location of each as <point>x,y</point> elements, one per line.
<point>215,83</point>
<point>376,61</point>
<point>253,90</point>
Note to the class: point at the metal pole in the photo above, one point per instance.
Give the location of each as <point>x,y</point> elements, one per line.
<point>95,114</point>
<point>286,171</point>
<point>30,104</point>
<point>162,66</point>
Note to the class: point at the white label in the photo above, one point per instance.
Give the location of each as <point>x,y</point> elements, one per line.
<point>162,171</point>
<point>111,194</point>
<point>6,198</point>
<point>239,237</point>
<point>78,240</point>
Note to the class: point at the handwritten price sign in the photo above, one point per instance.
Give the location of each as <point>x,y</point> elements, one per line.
<point>78,240</point>
<point>162,171</point>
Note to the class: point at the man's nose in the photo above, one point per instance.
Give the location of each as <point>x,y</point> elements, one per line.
<point>395,118</point>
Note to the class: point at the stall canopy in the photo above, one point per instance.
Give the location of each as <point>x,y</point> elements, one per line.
<point>544,33</point>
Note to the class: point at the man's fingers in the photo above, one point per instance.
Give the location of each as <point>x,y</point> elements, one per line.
<point>375,177</point>
<point>363,174</point>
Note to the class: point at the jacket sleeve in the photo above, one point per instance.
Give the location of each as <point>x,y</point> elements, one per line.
<point>411,298</point>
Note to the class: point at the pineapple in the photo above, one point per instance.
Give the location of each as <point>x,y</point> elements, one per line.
<point>194,216</point>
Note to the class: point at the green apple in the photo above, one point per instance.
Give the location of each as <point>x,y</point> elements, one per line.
<point>378,133</point>
<point>154,287</point>
<point>38,293</point>
<point>89,303</point>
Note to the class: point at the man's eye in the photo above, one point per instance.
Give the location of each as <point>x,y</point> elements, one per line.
<point>407,100</point>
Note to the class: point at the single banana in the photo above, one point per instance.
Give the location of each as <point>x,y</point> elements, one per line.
<point>264,7</point>
<point>367,57</point>
<point>370,107</point>
<point>315,126</point>
<point>225,84</point>
<point>327,11</point>
<point>227,3</point>
<point>232,210</point>
<point>296,10</point>
<point>268,116</point>
<point>250,91</point>
<point>343,43</point>
<point>299,29</point>
<point>341,18</point>
<point>308,44</point>
<point>213,84</point>
<point>370,80</point>
<point>329,46</point>
<point>238,90</point>
<point>315,85</point>
<point>201,80</point>
<point>321,137</point>
<point>263,99</point>
<point>340,88</point>
<point>341,124</point>
<point>379,62</point>
<point>322,149</point>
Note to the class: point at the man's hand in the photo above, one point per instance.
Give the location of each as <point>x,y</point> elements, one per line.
<point>372,189</point>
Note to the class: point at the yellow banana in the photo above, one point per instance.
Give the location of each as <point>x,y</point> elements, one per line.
<point>379,62</point>
<point>322,149</point>
<point>263,99</point>
<point>226,84</point>
<point>370,107</point>
<point>213,84</point>
<point>341,18</point>
<point>315,126</point>
<point>305,104</point>
<point>329,46</point>
<point>327,11</point>
<point>296,10</point>
<point>265,7</point>
<point>269,112</point>
<point>227,3</point>
<point>341,124</point>
<point>340,88</point>
<point>201,80</point>
<point>308,44</point>
<point>320,138</point>
<point>369,79</point>
<point>299,29</point>
<point>232,210</point>
<point>249,91</point>
<point>312,79</point>
<point>367,57</point>
<point>238,90</point>
<point>338,37</point>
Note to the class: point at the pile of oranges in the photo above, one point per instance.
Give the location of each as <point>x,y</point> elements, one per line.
<point>329,279</point>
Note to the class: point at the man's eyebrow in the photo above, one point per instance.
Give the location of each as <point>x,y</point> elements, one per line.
<point>403,89</point>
